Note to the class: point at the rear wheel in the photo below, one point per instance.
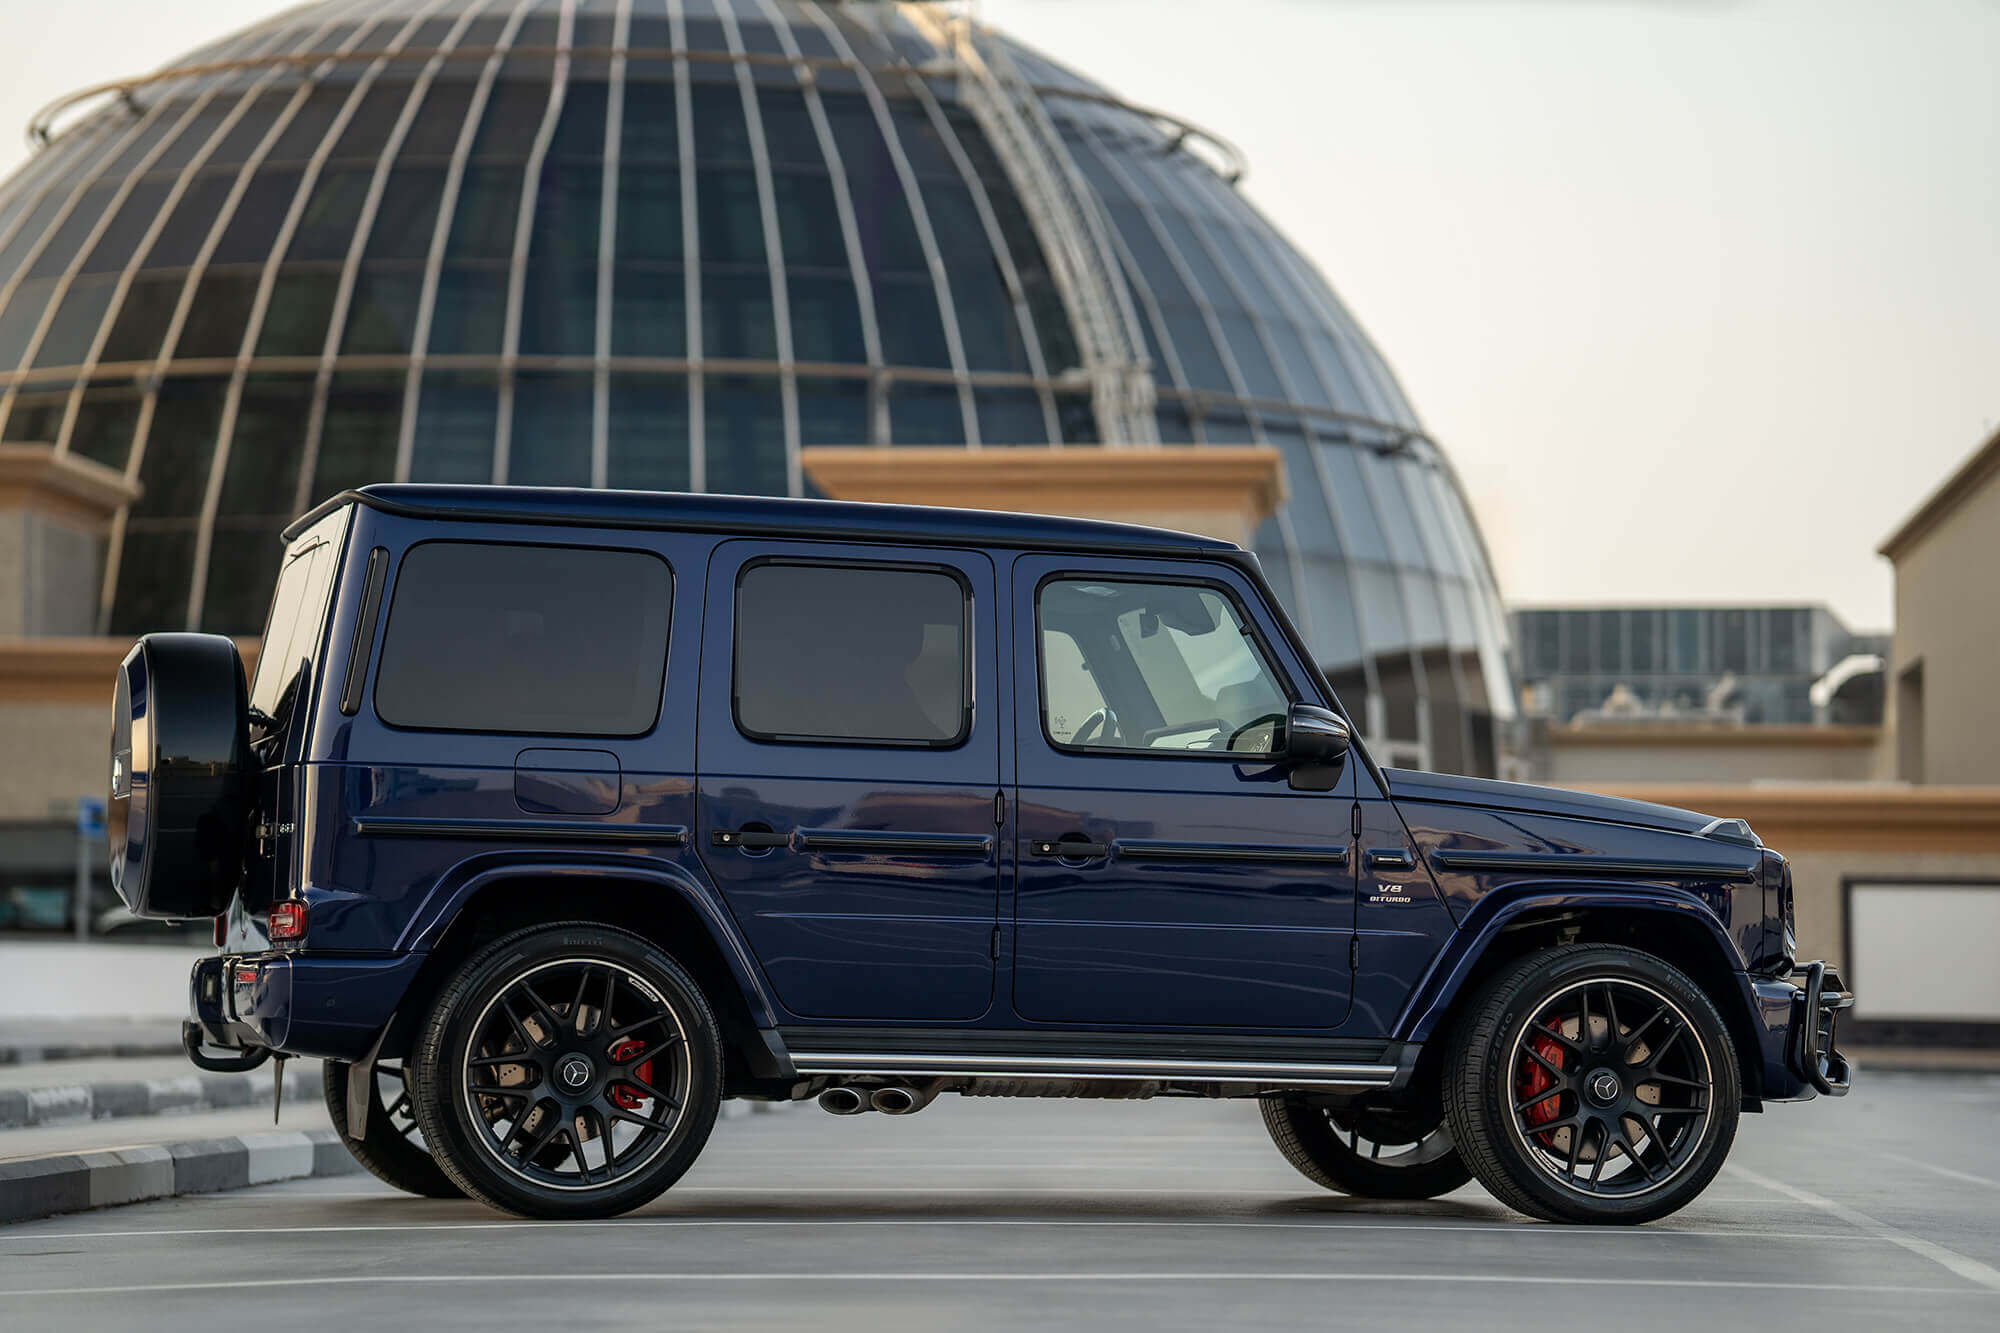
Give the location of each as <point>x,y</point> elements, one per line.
<point>1368,1154</point>
<point>1593,1084</point>
<point>392,1148</point>
<point>568,1071</point>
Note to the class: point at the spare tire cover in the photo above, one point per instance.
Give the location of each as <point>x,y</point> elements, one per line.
<point>181,775</point>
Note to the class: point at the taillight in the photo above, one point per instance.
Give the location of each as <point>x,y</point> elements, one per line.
<point>221,929</point>
<point>288,922</point>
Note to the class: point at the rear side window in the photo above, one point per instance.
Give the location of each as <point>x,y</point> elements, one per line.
<point>548,640</point>
<point>851,654</point>
<point>298,615</point>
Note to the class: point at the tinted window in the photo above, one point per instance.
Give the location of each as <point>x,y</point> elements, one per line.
<point>1154,667</point>
<point>292,634</point>
<point>563,641</point>
<point>841,653</point>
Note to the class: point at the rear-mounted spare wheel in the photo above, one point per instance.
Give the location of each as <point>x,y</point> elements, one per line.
<point>181,775</point>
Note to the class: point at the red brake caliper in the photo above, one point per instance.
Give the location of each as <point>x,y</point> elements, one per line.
<point>624,1095</point>
<point>1534,1079</point>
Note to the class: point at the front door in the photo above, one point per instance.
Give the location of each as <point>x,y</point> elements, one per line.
<point>849,770</point>
<point>1169,875</point>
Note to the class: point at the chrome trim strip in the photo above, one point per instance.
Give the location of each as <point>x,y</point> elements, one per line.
<point>1019,1066</point>
<point>1570,863</point>
<point>1142,849</point>
<point>871,840</point>
<point>546,830</point>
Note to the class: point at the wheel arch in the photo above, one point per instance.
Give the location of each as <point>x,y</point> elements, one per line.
<point>667,909</point>
<point>1676,927</point>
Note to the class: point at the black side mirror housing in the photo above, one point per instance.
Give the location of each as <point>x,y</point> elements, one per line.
<point>1315,737</point>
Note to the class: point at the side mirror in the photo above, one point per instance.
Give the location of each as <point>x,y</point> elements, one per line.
<point>1314,736</point>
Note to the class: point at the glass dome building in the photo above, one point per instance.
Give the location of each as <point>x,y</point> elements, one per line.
<point>675,244</point>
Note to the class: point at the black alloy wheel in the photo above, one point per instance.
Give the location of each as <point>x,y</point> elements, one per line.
<point>568,1071</point>
<point>1593,1084</point>
<point>1370,1154</point>
<point>392,1148</point>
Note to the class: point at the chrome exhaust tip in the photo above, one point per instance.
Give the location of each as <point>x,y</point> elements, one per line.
<point>843,1101</point>
<point>900,1100</point>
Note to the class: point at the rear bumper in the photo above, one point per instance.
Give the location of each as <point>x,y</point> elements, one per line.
<point>1799,1017</point>
<point>298,1004</point>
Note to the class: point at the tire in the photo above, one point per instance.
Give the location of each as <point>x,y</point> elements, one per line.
<point>393,1147</point>
<point>1370,1155</point>
<point>182,775</point>
<point>1592,1083</point>
<point>608,1037</point>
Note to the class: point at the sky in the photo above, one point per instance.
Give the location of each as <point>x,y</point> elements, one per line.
<point>1701,296</point>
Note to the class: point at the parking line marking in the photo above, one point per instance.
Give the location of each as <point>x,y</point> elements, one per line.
<point>1155,1277</point>
<point>1968,1268</point>
<point>1506,1228</point>
<point>1966,1176</point>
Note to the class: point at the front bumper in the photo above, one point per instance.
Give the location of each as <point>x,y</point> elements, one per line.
<point>1799,1016</point>
<point>297,1003</point>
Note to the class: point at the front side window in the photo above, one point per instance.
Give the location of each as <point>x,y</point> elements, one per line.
<point>1154,667</point>
<point>851,654</point>
<point>541,640</point>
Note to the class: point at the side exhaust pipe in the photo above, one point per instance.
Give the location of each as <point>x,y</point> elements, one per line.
<point>900,1100</point>
<point>843,1101</point>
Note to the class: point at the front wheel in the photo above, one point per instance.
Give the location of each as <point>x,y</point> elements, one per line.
<point>1592,1083</point>
<point>1368,1154</point>
<point>569,1071</point>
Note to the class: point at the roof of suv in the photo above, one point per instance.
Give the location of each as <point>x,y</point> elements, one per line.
<point>762,516</point>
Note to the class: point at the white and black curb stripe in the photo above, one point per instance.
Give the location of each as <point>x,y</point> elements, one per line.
<point>71,1182</point>
<point>107,1099</point>
<point>43,1186</point>
<point>18,1052</point>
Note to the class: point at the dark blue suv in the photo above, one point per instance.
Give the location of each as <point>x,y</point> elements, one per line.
<point>552,818</point>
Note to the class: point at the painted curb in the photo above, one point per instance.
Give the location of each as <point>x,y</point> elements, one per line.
<point>108,1099</point>
<point>44,1186</point>
<point>39,1187</point>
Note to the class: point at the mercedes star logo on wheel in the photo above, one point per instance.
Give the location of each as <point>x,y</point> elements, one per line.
<point>575,1071</point>
<point>1605,1086</point>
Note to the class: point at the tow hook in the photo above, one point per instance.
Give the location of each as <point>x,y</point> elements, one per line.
<point>242,1063</point>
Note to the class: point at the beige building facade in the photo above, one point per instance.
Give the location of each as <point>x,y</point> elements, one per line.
<point>1943,703</point>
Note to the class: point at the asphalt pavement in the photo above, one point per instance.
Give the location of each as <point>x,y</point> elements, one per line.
<point>1880,1209</point>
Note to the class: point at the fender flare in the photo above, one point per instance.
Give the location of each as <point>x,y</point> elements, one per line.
<point>1440,988</point>
<point>467,879</point>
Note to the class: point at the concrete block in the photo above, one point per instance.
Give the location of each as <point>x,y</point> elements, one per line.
<point>203,1166</point>
<point>127,1175</point>
<point>13,1108</point>
<point>40,1186</point>
<point>125,1097</point>
<point>51,1106</point>
<point>217,1090</point>
<point>330,1155</point>
<point>278,1156</point>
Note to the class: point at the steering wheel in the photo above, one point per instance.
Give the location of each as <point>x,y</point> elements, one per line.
<point>1179,727</point>
<point>1267,718</point>
<point>1103,720</point>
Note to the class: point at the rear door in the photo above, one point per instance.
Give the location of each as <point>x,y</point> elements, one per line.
<point>849,770</point>
<point>1169,875</point>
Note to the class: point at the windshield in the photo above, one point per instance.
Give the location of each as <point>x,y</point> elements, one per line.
<point>298,615</point>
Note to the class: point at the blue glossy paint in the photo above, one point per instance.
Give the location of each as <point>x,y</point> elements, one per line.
<point>1227,905</point>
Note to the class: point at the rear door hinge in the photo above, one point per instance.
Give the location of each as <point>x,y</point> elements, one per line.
<point>999,809</point>
<point>1354,820</point>
<point>1354,953</point>
<point>993,950</point>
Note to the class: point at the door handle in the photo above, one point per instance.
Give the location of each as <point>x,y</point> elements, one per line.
<point>749,839</point>
<point>1390,858</point>
<point>1069,849</point>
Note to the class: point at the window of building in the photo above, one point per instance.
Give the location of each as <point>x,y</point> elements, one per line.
<point>483,637</point>
<point>1153,667</point>
<point>852,654</point>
